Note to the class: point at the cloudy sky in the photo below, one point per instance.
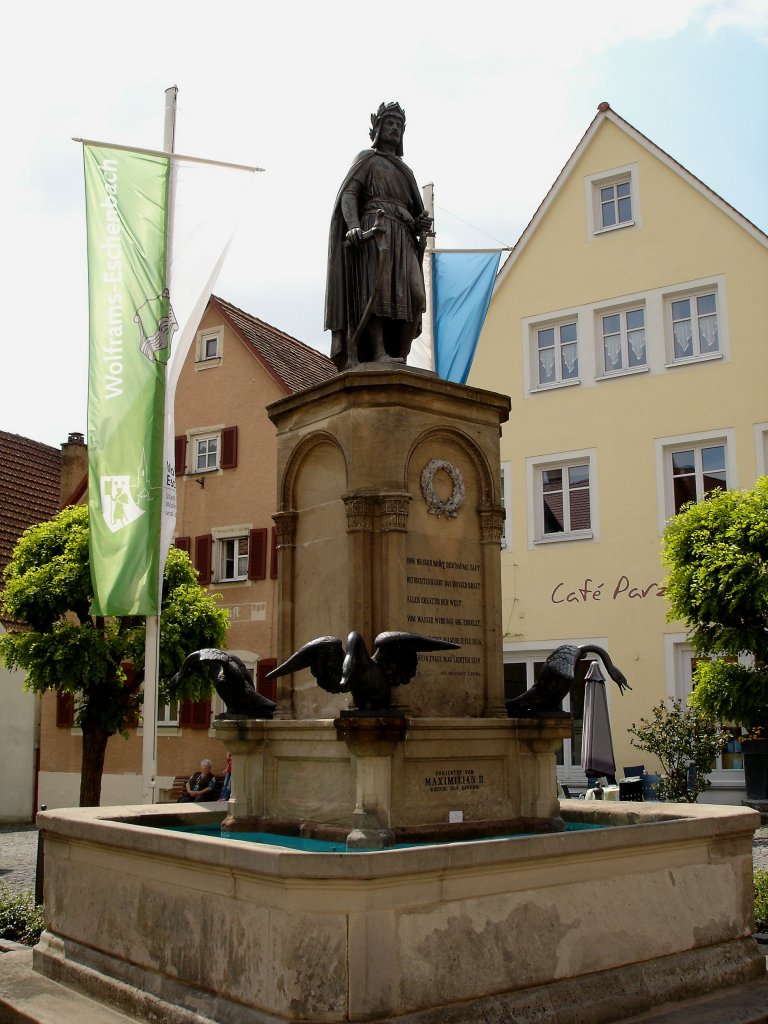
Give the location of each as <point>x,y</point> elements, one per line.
<point>497,97</point>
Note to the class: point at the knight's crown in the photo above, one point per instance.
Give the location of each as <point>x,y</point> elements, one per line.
<point>387,108</point>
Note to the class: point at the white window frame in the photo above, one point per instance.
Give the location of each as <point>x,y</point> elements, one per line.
<point>666,446</point>
<point>761,448</point>
<point>678,659</point>
<point>555,325</point>
<point>622,311</point>
<point>203,361</point>
<point>193,439</point>
<point>593,183</point>
<point>692,294</point>
<point>220,536</point>
<point>535,466</point>
<point>506,491</point>
<point>168,715</point>
<point>237,557</point>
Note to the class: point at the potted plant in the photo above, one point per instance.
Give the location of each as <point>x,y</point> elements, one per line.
<point>716,552</point>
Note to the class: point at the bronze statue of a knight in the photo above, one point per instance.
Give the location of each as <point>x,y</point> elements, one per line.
<point>375,292</point>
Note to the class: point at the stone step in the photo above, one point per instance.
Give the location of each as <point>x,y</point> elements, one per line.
<point>741,1004</point>
<point>28,998</point>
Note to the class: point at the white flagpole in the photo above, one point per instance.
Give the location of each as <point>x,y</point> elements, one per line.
<point>428,193</point>
<point>152,638</point>
<point>423,348</point>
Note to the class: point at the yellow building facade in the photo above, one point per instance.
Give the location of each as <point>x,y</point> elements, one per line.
<point>628,327</point>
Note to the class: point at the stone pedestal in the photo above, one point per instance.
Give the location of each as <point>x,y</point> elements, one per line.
<point>371,742</point>
<point>396,775</point>
<point>245,742</point>
<point>390,518</point>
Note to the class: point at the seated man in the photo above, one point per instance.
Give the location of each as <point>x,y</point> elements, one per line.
<point>201,786</point>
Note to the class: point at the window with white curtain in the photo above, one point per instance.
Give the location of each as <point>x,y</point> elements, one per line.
<point>622,333</point>
<point>557,354</point>
<point>693,327</point>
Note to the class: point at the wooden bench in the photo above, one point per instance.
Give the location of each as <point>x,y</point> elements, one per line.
<point>177,789</point>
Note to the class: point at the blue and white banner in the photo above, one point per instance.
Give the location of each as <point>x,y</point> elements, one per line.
<point>462,288</point>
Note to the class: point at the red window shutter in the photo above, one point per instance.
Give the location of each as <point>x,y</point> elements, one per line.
<point>180,454</point>
<point>257,554</point>
<point>273,557</point>
<point>229,448</point>
<point>267,687</point>
<point>65,709</point>
<point>183,544</point>
<point>203,553</point>
<point>195,714</point>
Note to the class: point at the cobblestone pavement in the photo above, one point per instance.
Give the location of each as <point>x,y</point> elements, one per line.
<point>18,855</point>
<point>760,849</point>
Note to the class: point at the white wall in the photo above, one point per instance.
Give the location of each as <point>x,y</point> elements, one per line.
<point>18,729</point>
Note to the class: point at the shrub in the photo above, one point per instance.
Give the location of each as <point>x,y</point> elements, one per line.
<point>761,901</point>
<point>20,919</point>
<point>680,737</point>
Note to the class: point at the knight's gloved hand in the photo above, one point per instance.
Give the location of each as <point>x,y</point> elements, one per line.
<point>354,236</point>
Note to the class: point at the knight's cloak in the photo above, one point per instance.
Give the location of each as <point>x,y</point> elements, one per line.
<point>382,181</point>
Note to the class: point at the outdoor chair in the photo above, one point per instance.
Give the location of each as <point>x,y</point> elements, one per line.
<point>631,786</point>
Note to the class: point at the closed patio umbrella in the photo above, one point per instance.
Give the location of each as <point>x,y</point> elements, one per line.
<point>596,746</point>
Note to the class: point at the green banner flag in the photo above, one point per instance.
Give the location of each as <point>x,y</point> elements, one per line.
<point>131,329</point>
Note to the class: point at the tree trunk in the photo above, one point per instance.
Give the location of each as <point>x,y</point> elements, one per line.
<point>94,750</point>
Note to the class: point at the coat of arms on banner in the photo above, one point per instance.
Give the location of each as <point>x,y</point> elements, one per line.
<point>157,324</point>
<point>117,503</point>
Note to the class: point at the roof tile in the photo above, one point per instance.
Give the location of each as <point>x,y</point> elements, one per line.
<point>30,485</point>
<point>294,365</point>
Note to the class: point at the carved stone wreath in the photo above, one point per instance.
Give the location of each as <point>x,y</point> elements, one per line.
<point>437,506</point>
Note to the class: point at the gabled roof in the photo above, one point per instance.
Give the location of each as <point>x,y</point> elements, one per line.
<point>30,485</point>
<point>290,362</point>
<point>604,113</point>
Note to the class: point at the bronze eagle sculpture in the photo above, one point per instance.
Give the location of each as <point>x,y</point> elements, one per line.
<point>369,678</point>
<point>556,677</point>
<point>232,681</point>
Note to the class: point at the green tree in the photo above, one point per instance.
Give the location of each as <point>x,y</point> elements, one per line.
<point>63,647</point>
<point>680,737</point>
<point>716,553</point>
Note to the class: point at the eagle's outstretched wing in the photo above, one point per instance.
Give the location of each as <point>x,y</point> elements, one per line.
<point>324,657</point>
<point>397,654</point>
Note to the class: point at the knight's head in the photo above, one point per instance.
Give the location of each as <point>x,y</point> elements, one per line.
<point>388,121</point>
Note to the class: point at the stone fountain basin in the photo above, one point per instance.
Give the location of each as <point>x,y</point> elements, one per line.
<point>184,925</point>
